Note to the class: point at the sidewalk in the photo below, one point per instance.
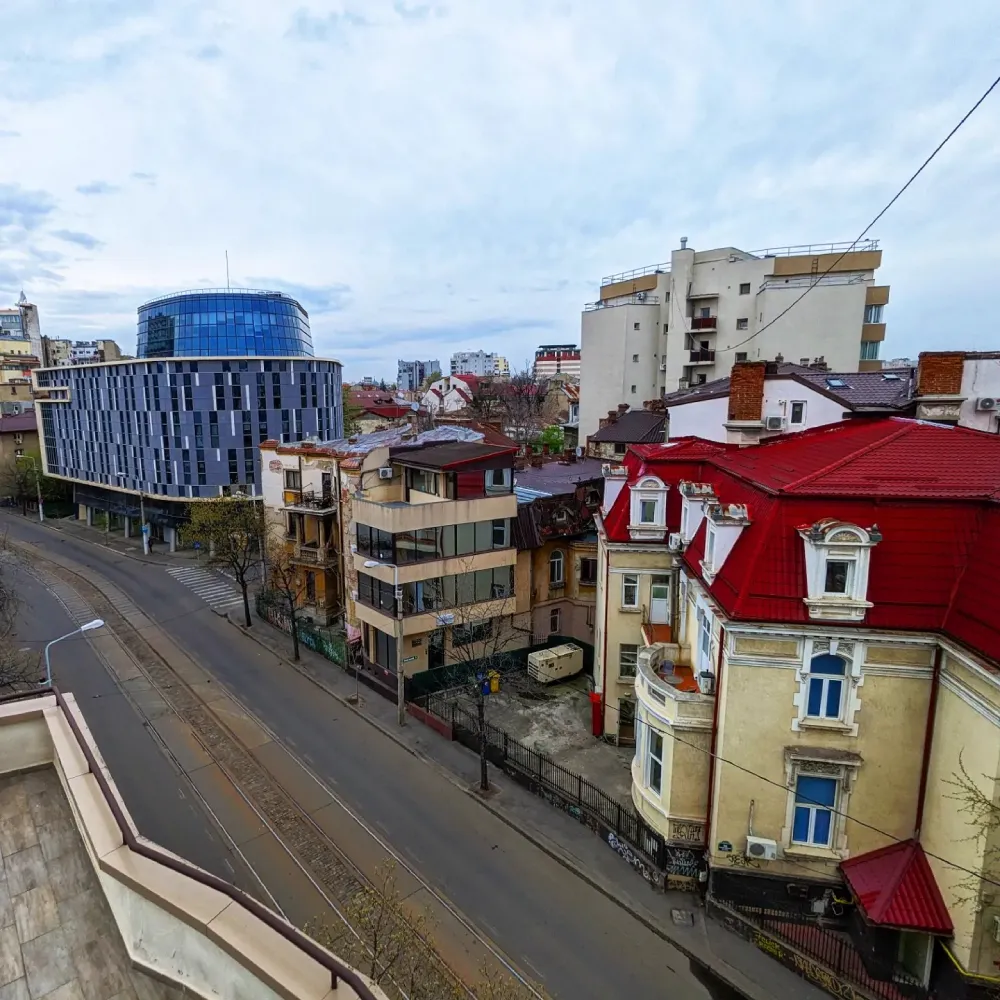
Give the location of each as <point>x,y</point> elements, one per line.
<point>131,547</point>
<point>677,917</point>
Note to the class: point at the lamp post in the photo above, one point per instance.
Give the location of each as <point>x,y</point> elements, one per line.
<point>397,638</point>
<point>90,626</point>
<point>38,482</point>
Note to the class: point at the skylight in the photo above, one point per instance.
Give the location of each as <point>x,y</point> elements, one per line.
<point>836,383</point>
<point>890,378</point>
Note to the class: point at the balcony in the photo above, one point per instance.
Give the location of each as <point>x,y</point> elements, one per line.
<point>702,357</point>
<point>636,299</point>
<point>396,516</point>
<point>310,502</point>
<point>311,554</point>
<point>704,322</point>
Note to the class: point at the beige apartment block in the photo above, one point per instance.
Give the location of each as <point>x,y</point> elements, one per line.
<point>668,326</point>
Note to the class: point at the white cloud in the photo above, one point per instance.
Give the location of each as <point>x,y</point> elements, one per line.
<point>431,176</point>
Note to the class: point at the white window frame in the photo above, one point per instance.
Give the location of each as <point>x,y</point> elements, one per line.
<point>853,654</point>
<point>644,503</point>
<point>646,490</point>
<point>705,629</point>
<point>710,548</point>
<point>630,651</point>
<point>555,620</point>
<point>630,580</point>
<point>792,422</point>
<point>557,558</point>
<point>799,763</point>
<point>653,737</point>
<point>836,541</point>
<point>814,809</point>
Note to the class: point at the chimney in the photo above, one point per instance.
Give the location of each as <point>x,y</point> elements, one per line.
<point>746,390</point>
<point>622,408</point>
<point>779,359</point>
<point>684,243</point>
<point>939,373</point>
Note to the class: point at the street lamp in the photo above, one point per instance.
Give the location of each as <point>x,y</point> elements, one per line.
<point>38,482</point>
<point>397,638</point>
<point>143,528</point>
<point>90,626</point>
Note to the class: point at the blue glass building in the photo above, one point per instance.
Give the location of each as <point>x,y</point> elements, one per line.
<point>224,322</point>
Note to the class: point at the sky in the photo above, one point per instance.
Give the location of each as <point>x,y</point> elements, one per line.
<point>433,177</point>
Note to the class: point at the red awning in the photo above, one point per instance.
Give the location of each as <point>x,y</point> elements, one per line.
<point>895,887</point>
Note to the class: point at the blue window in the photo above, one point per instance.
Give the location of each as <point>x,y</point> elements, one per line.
<point>826,687</point>
<point>814,803</point>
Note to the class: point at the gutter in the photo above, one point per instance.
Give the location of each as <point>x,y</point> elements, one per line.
<point>715,740</point>
<point>925,761</point>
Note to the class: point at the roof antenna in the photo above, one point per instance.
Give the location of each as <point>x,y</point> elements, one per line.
<point>227,271</point>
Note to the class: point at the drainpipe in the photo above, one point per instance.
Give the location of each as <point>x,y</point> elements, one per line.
<point>715,739</point>
<point>925,763</point>
<point>601,700</point>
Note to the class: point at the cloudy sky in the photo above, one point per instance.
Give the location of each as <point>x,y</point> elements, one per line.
<point>428,177</point>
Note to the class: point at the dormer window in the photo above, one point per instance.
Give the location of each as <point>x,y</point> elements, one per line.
<point>648,511</point>
<point>725,524</point>
<point>837,561</point>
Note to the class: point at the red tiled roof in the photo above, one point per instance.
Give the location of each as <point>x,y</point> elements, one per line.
<point>933,491</point>
<point>895,887</point>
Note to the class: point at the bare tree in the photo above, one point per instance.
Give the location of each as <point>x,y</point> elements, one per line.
<point>287,579</point>
<point>390,941</point>
<point>485,644</point>
<point>18,667</point>
<point>233,529</point>
<point>983,815</point>
<point>520,403</point>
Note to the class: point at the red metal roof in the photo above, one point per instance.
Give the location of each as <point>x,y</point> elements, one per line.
<point>933,491</point>
<point>390,411</point>
<point>895,887</point>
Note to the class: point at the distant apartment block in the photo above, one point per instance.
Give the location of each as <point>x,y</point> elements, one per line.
<point>689,320</point>
<point>20,322</point>
<point>480,363</point>
<point>557,359</point>
<point>410,375</point>
<point>57,352</point>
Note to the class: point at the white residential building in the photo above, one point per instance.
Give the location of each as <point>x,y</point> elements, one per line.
<point>480,363</point>
<point>449,394</point>
<point>672,325</point>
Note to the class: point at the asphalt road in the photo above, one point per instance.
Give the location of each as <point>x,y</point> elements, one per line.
<point>560,930</point>
<point>160,799</point>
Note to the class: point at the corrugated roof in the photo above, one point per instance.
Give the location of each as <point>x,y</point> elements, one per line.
<point>895,887</point>
<point>555,478</point>
<point>18,423</point>
<point>633,427</point>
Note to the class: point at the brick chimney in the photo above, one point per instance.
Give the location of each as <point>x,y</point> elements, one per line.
<point>746,390</point>
<point>622,408</point>
<point>939,373</point>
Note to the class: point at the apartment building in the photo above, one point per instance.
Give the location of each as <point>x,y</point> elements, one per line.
<point>794,635</point>
<point>410,375</point>
<point>480,363</point>
<point>689,320</point>
<point>557,359</point>
<point>78,352</point>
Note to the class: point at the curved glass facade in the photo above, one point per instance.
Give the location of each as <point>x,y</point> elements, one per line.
<point>222,323</point>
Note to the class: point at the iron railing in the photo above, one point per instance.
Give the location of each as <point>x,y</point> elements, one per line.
<point>313,500</point>
<point>636,299</point>
<point>702,355</point>
<point>805,249</point>
<point>637,272</point>
<point>704,322</point>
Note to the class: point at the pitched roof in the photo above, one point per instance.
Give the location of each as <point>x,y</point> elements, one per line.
<point>633,427</point>
<point>450,454</point>
<point>895,887</point>
<point>554,478</point>
<point>18,422</point>
<point>391,411</point>
<point>932,490</point>
<point>882,390</point>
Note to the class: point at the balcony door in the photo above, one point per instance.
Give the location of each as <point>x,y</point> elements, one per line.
<point>659,600</point>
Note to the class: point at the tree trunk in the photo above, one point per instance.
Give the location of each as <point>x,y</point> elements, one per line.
<point>484,775</point>
<point>295,631</point>
<point>248,621</point>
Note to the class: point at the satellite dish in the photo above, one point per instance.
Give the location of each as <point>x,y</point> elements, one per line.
<point>414,407</point>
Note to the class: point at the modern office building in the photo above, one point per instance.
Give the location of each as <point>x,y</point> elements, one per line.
<point>689,320</point>
<point>557,359</point>
<point>411,374</point>
<point>223,322</point>
<point>178,429</point>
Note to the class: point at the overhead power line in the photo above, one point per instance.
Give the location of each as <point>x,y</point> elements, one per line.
<point>864,232</point>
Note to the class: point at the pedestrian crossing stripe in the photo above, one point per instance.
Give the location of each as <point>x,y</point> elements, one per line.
<point>210,587</point>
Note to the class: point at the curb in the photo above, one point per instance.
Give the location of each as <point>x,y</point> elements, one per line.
<point>143,560</point>
<point>542,843</point>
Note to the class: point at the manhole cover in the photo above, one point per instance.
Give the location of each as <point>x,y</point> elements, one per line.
<point>683,918</point>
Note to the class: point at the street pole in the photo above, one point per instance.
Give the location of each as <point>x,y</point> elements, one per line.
<point>143,527</point>
<point>397,634</point>
<point>96,623</point>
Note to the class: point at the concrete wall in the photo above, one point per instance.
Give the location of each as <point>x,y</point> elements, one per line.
<point>980,377</point>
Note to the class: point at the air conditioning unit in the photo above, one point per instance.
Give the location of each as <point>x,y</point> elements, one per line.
<point>385,472</point>
<point>774,423</point>
<point>675,541</point>
<point>706,682</point>
<point>987,403</point>
<point>640,297</point>
<point>761,849</point>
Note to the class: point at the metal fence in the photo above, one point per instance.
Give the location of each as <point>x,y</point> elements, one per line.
<point>642,847</point>
<point>823,955</point>
<point>326,642</point>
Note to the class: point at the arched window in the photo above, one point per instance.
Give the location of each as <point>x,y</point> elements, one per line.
<point>826,687</point>
<point>557,564</point>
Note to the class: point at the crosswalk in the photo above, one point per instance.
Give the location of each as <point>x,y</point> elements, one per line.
<point>209,586</point>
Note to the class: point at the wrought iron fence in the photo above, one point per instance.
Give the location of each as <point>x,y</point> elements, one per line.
<point>643,848</point>
<point>823,955</point>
